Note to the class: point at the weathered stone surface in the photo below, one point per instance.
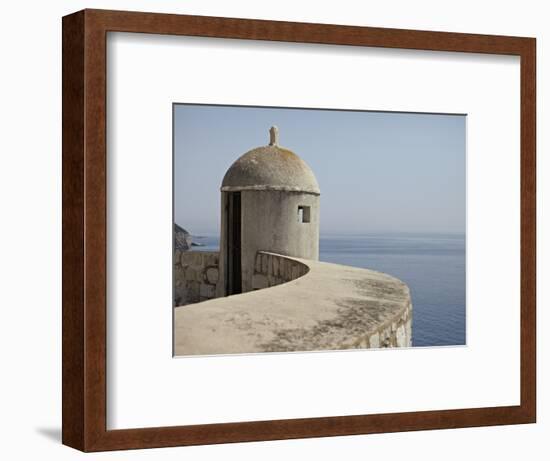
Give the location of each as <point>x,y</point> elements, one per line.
<point>330,307</point>
<point>198,261</point>
<point>374,340</point>
<point>179,274</point>
<point>275,266</point>
<point>212,275</point>
<point>191,274</point>
<point>193,270</point>
<point>265,264</point>
<point>336,307</point>
<point>259,281</point>
<point>207,291</point>
<point>270,168</point>
<point>211,259</point>
<point>258,264</point>
<point>272,269</point>
<point>401,336</point>
<point>385,337</point>
<point>294,272</point>
<point>192,292</point>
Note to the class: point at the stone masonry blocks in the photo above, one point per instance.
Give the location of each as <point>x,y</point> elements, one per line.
<point>196,276</point>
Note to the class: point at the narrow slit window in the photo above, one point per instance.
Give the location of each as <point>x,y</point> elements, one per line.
<point>304,214</point>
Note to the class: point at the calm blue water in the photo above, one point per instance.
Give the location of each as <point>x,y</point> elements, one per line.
<point>433,266</point>
<point>205,243</point>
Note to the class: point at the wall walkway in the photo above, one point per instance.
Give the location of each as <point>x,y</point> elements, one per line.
<point>323,307</point>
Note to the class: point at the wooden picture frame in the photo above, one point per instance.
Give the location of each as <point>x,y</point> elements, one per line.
<point>85,220</point>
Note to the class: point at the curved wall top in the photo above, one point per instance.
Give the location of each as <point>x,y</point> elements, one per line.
<point>330,307</point>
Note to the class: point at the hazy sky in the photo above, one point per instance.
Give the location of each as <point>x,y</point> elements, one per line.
<point>378,172</point>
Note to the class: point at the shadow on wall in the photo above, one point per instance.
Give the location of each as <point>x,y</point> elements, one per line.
<point>196,276</point>
<point>272,269</point>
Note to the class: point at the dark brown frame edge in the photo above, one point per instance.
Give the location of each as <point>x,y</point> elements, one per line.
<point>84,229</point>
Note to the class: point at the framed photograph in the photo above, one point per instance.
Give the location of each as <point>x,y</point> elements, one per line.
<point>279,230</point>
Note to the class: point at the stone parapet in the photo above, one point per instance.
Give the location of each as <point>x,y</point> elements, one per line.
<point>196,276</point>
<point>272,269</point>
<point>305,306</point>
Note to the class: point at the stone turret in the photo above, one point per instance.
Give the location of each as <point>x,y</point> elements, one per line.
<point>270,202</point>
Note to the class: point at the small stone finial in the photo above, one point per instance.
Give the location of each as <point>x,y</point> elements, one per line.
<point>274,136</point>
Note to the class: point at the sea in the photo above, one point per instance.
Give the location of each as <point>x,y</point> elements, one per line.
<point>432,265</point>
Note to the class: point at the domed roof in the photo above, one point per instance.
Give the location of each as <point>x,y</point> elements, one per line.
<point>270,168</point>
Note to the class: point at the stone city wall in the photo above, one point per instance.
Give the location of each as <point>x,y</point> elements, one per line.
<point>321,306</point>
<point>357,308</point>
<point>272,269</point>
<point>394,333</point>
<point>196,276</point>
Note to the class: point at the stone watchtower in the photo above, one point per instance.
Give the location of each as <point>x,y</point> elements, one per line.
<point>269,202</point>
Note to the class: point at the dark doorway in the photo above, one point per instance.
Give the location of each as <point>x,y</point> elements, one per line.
<point>234,270</point>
